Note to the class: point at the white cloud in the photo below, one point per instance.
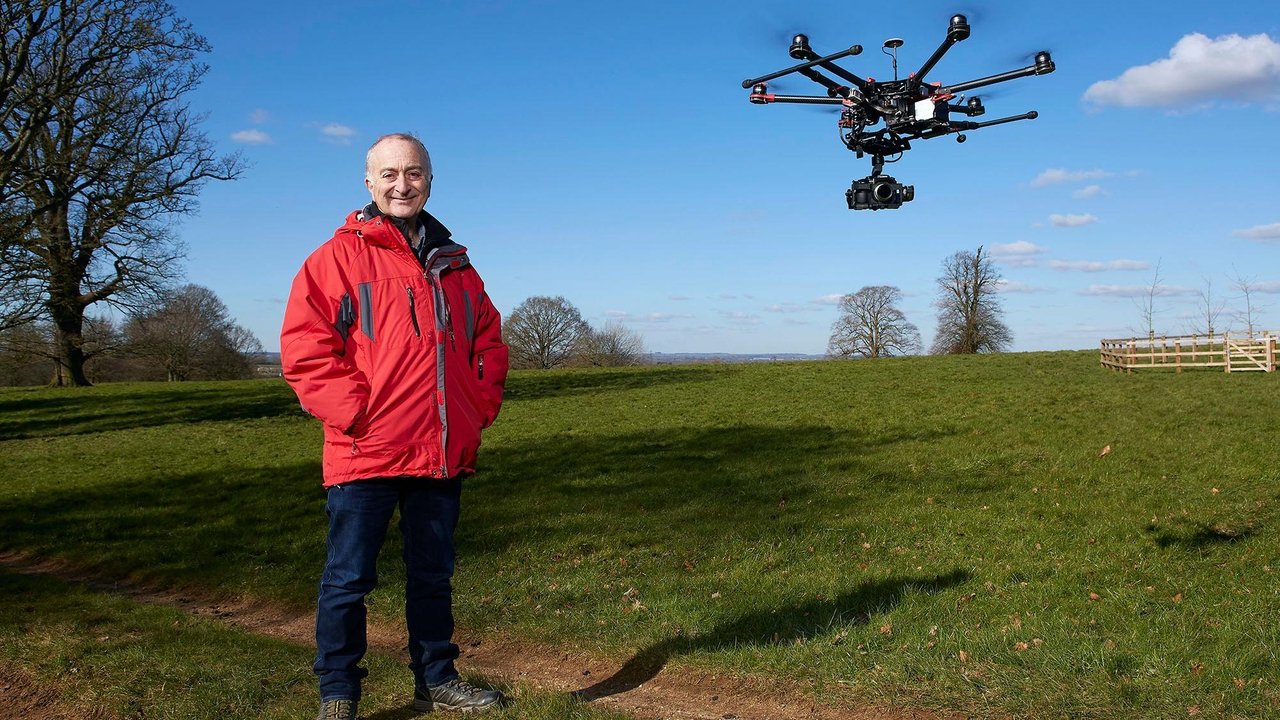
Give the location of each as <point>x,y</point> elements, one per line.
<point>1137,290</point>
<point>1053,176</point>
<point>832,299</point>
<point>1099,266</point>
<point>1265,233</point>
<point>1197,72</point>
<point>649,318</point>
<point>1272,286</point>
<point>259,116</point>
<point>741,318</point>
<point>1088,191</point>
<point>789,308</point>
<point>1016,254</point>
<point>251,137</point>
<point>1016,286</point>
<point>678,298</point>
<point>1072,220</point>
<point>338,133</point>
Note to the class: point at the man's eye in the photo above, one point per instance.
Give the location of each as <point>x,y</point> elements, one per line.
<point>415,175</point>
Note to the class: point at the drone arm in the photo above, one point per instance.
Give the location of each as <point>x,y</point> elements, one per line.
<point>957,30</point>
<point>1032,115</point>
<point>852,50</point>
<point>956,126</point>
<point>834,89</point>
<point>765,98</point>
<point>1043,66</point>
<point>858,82</point>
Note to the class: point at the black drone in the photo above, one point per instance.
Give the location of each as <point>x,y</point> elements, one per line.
<point>910,108</point>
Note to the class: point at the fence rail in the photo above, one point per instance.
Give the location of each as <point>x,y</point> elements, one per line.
<point>1232,353</point>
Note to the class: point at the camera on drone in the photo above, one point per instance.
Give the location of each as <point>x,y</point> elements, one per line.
<point>878,192</point>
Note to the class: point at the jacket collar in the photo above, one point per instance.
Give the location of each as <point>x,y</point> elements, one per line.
<point>436,233</point>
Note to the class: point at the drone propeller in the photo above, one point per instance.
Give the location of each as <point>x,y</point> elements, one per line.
<point>1026,58</point>
<point>775,29</point>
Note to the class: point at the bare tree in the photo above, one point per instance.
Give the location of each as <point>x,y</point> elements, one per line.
<point>30,346</point>
<point>871,326</point>
<point>969,312</point>
<point>24,355</point>
<point>101,153</point>
<point>1208,312</point>
<point>613,345</point>
<point>191,336</point>
<point>1147,303</point>
<point>21,112</point>
<point>544,332</point>
<point>21,294</point>
<point>1248,289</point>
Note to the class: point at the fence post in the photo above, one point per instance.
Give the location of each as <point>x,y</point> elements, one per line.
<point>1226,351</point>
<point>1177,354</point>
<point>1132,355</point>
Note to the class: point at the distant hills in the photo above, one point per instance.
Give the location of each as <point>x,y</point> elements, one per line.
<point>659,358</point>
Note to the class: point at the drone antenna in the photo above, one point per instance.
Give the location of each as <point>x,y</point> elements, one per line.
<point>892,44</point>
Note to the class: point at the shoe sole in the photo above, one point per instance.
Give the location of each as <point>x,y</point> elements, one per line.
<point>426,706</point>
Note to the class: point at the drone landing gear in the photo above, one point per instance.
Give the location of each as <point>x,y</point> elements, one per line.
<point>878,191</point>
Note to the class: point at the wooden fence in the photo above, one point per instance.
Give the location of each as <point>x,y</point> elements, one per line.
<point>1232,353</point>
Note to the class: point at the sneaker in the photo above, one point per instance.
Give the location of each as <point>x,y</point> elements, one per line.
<point>337,709</point>
<point>457,694</point>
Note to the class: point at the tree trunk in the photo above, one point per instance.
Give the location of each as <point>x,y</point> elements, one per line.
<point>68,344</point>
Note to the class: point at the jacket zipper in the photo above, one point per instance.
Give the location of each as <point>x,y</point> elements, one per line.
<point>480,361</point>
<point>413,313</point>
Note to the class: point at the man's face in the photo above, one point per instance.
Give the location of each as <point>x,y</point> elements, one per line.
<point>398,178</point>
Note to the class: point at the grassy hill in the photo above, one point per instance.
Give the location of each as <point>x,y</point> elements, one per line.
<point>1024,535</point>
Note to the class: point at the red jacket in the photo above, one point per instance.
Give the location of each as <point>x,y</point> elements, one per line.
<point>404,366</point>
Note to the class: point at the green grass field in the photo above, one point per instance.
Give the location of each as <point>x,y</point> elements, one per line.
<point>938,532</point>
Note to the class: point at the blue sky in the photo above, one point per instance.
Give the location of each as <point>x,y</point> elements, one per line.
<point>606,152</point>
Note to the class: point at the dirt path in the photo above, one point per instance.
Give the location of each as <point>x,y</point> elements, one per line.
<point>640,686</point>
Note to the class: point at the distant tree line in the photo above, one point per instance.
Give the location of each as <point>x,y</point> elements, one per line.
<point>187,335</point>
<point>970,316</point>
<point>548,332</point>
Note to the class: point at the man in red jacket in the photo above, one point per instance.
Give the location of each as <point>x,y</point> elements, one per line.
<point>390,340</point>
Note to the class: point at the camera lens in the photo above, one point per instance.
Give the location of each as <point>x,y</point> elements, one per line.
<point>883,192</point>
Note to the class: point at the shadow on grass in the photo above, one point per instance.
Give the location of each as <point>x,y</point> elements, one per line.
<point>47,412</point>
<point>51,412</point>
<point>773,626</point>
<point>693,485</point>
<point>538,384</point>
<point>233,525</point>
<point>225,530</point>
<point>1199,536</point>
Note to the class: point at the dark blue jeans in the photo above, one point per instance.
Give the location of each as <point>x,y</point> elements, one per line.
<point>359,513</point>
